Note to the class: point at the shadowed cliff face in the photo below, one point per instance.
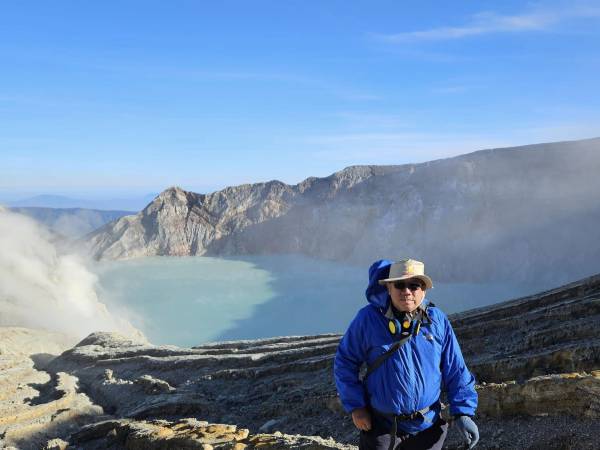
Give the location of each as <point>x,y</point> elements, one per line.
<point>491,215</point>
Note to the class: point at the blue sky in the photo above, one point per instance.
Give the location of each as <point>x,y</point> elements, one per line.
<point>130,97</point>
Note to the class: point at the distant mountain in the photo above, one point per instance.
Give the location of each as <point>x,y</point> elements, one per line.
<point>71,222</point>
<point>524,213</point>
<point>48,201</point>
<point>109,204</point>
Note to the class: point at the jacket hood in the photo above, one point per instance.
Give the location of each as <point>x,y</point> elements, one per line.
<point>376,294</point>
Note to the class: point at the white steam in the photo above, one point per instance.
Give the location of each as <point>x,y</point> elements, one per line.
<point>40,288</point>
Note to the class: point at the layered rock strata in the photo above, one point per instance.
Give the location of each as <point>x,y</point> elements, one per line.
<point>248,383</point>
<point>286,385</point>
<point>557,394</point>
<point>35,405</point>
<point>188,434</point>
<point>550,332</point>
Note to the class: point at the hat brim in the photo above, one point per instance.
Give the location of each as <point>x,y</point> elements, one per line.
<point>424,278</point>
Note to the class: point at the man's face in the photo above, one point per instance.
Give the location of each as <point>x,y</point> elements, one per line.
<point>406,295</point>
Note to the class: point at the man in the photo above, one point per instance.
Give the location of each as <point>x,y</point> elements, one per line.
<point>410,351</point>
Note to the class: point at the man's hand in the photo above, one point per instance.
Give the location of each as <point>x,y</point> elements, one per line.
<point>468,430</point>
<point>362,419</point>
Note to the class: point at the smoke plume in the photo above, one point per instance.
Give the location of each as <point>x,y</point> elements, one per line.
<point>41,288</point>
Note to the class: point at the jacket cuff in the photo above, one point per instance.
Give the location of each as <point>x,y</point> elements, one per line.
<point>462,410</point>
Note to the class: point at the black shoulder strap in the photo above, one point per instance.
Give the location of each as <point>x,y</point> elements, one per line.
<point>381,358</point>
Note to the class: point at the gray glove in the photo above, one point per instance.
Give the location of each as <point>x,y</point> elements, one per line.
<point>468,430</point>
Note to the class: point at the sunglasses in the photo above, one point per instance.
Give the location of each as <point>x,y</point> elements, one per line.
<point>400,285</point>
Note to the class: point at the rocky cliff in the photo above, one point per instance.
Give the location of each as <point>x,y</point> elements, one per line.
<point>537,360</point>
<point>472,216</point>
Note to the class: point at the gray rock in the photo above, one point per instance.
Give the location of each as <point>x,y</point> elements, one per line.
<point>31,400</point>
<point>56,444</point>
<point>470,217</point>
<point>269,426</point>
<point>153,385</point>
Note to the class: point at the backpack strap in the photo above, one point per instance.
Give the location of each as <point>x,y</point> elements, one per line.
<point>421,317</point>
<point>381,358</point>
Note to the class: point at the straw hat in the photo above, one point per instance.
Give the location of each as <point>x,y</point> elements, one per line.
<point>407,269</point>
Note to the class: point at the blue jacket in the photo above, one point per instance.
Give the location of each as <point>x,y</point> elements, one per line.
<point>412,377</point>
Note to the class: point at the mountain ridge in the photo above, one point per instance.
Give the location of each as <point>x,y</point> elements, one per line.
<point>511,203</point>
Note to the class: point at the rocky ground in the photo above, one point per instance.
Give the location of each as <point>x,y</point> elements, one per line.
<point>537,360</point>
<point>34,402</point>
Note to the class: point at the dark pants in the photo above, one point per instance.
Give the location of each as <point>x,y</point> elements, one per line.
<point>378,438</point>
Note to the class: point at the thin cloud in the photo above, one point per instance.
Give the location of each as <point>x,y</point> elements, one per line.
<point>370,121</point>
<point>419,146</point>
<point>450,90</point>
<point>342,90</point>
<point>356,96</point>
<point>397,148</point>
<point>490,22</point>
<point>483,23</point>
<point>370,138</point>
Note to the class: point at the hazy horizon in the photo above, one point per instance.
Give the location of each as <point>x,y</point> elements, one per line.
<point>111,199</point>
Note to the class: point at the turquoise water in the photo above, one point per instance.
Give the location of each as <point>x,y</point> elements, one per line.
<point>191,300</point>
